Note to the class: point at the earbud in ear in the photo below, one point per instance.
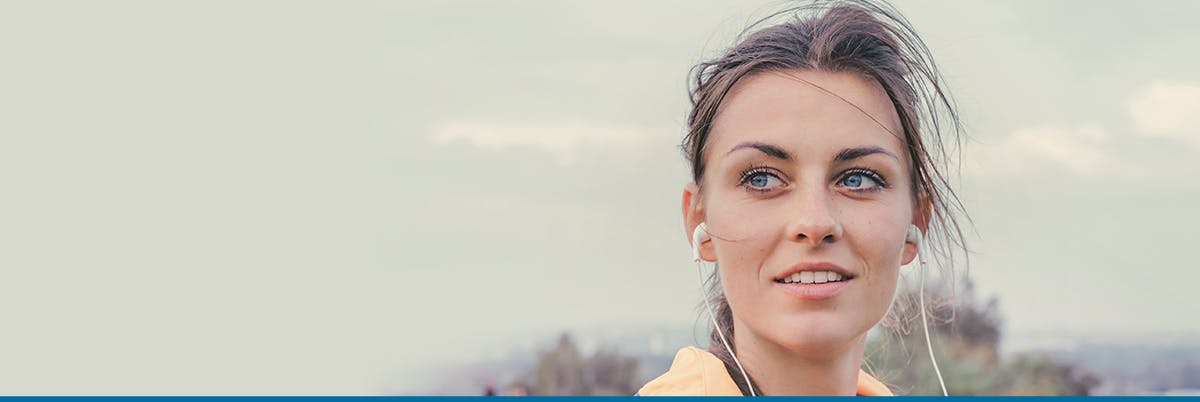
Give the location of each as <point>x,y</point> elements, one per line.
<point>699,235</point>
<point>913,236</point>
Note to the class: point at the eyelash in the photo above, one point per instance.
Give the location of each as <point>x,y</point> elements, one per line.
<point>751,172</point>
<point>873,175</point>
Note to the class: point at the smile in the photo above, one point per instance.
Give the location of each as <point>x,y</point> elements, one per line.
<point>814,280</point>
<point>807,277</point>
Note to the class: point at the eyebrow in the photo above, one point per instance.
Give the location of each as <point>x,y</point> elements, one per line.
<point>849,154</point>
<point>774,151</point>
<point>845,155</point>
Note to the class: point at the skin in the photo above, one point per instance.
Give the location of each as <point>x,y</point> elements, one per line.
<point>767,213</point>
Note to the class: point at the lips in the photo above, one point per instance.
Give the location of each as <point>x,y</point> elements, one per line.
<point>814,277</point>
<point>814,281</point>
<point>814,272</point>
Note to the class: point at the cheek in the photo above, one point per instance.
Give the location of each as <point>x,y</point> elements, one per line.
<point>876,230</point>
<point>879,261</point>
<point>746,235</point>
<point>733,216</point>
<point>741,260</point>
<point>876,238</point>
<point>745,230</point>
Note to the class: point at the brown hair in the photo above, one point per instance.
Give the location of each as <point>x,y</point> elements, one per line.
<point>868,38</point>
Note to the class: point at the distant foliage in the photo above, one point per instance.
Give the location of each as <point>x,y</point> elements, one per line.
<point>562,370</point>
<point>966,336</point>
<point>966,339</point>
<point>1138,366</point>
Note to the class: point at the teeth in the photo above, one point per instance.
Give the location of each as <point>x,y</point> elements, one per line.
<point>813,277</point>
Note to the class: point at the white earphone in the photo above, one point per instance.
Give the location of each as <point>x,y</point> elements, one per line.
<point>698,236</point>
<point>913,235</point>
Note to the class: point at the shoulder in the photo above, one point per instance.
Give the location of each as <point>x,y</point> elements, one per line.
<point>869,386</point>
<point>694,372</point>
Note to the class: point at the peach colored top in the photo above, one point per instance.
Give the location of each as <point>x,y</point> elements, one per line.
<point>696,372</point>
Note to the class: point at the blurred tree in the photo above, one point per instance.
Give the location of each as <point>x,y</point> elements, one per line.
<point>1040,375</point>
<point>610,373</point>
<point>562,370</point>
<point>966,339</point>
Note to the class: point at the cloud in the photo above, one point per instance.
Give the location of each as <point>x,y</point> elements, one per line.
<point>1085,150</point>
<point>1168,110</point>
<point>564,140</point>
<point>1082,149</point>
<point>1164,110</point>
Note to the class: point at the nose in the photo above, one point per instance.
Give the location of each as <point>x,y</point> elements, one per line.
<point>815,220</point>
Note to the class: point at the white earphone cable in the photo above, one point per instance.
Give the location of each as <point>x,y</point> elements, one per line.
<point>925,325</point>
<point>721,334</point>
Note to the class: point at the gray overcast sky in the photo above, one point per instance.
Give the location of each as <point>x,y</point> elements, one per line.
<point>309,197</point>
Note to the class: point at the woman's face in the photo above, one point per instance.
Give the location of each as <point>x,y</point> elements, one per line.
<point>799,180</point>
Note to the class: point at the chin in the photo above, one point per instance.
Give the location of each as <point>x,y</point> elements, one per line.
<point>817,335</point>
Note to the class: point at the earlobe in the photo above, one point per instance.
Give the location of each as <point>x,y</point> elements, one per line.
<point>908,254</point>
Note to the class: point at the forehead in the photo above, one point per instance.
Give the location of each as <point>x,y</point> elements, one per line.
<point>807,110</point>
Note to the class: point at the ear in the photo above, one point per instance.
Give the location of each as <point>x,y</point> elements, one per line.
<point>921,217</point>
<point>908,253</point>
<point>693,215</point>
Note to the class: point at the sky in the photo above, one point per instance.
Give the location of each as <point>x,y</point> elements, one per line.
<point>317,197</point>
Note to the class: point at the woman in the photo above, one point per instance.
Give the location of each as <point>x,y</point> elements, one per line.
<point>816,157</point>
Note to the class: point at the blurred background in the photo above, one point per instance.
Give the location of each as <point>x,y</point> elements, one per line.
<point>460,197</point>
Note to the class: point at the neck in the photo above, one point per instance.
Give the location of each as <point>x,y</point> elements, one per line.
<point>779,371</point>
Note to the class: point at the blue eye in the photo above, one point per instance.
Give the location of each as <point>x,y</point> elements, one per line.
<point>854,180</point>
<point>862,180</point>
<point>759,180</point>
